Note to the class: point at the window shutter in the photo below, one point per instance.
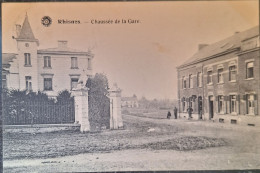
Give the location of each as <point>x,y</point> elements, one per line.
<point>244,97</point>
<point>238,97</point>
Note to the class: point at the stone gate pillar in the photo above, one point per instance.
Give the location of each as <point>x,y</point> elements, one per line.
<point>116,120</point>
<point>81,108</point>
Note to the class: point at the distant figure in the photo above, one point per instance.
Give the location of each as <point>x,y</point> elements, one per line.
<point>189,110</point>
<point>175,110</point>
<point>169,115</point>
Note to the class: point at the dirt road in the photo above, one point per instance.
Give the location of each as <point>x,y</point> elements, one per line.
<point>241,152</point>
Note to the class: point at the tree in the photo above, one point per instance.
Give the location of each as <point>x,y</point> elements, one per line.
<point>99,112</point>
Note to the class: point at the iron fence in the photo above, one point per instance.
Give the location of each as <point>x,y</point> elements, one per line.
<point>19,112</point>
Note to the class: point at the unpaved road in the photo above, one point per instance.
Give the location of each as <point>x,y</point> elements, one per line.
<point>242,152</point>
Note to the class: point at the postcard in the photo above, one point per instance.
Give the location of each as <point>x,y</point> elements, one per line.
<point>131,86</point>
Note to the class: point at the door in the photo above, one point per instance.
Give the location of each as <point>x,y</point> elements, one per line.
<point>211,108</point>
<point>233,105</point>
<point>250,104</point>
<point>200,107</point>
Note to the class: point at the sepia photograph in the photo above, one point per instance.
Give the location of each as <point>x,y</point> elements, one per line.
<point>130,86</point>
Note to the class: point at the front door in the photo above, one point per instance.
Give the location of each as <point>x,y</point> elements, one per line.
<point>200,107</point>
<point>250,104</point>
<point>211,108</point>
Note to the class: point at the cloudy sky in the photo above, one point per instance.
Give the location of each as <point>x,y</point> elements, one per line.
<point>140,57</point>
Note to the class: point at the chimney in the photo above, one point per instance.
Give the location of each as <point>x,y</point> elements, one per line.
<point>18,30</point>
<point>62,43</point>
<point>201,46</point>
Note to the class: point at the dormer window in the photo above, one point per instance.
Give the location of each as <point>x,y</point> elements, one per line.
<point>27,59</point>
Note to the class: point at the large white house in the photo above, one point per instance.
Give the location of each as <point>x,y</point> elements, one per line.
<point>49,70</point>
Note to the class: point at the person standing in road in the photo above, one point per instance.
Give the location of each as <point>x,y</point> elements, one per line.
<point>175,110</point>
<point>190,110</point>
<point>169,115</point>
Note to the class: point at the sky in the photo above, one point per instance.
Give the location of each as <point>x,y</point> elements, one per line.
<point>140,57</point>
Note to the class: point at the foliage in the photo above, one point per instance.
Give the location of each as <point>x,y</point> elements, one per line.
<point>99,112</point>
<point>23,107</point>
<point>157,104</point>
<point>64,95</point>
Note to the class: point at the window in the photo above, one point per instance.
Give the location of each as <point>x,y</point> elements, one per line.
<point>199,79</point>
<point>27,59</point>
<point>4,81</point>
<point>250,70</point>
<point>233,104</point>
<point>47,61</point>
<point>183,82</point>
<point>89,64</point>
<point>190,81</point>
<point>74,83</point>
<point>28,83</point>
<point>183,106</point>
<point>74,62</point>
<point>220,75</point>
<point>47,84</point>
<point>209,77</point>
<point>232,73</point>
<point>221,104</point>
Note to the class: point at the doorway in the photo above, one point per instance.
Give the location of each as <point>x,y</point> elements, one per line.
<point>211,107</point>
<point>200,107</point>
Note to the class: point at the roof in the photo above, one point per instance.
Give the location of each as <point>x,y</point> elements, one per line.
<point>7,57</point>
<point>60,50</point>
<point>231,43</point>
<point>128,98</point>
<point>26,30</point>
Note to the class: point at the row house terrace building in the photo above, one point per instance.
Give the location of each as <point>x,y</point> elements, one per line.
<point>49,70</point>
<point>221,82</point>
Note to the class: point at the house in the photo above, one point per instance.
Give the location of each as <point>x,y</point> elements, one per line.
<point>130,102</point>
<point>221,82</point>
<point>49,70</point>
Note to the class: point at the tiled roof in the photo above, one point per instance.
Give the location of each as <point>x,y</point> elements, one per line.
<point>229,43</point>
<point>26,31</point>
<point>7,57</point>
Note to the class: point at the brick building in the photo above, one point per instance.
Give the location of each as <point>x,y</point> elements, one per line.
<point>49,70</point>
<point>221,81</point>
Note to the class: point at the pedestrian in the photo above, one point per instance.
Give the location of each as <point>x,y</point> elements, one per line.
<point>175,110</point>
<point>189,110</point>
<point>169,115</point>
